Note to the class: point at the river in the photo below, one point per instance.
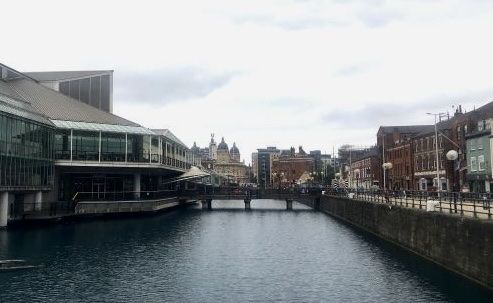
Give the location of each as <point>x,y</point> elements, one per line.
<point>224,255</point>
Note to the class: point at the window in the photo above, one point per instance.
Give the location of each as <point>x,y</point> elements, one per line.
<point>112,147</point>
<point>480,125</point>
<point>481,163</point>
<point>474,164</point>
<point>480,143</point>
<point>487,124</point>
<point>465,129</point>
<point>473,144</point>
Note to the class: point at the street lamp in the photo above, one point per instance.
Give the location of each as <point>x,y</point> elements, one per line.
<point>386,166</point>
<point>437,115</point>
<point>452,155</point>
<point>356,176</point>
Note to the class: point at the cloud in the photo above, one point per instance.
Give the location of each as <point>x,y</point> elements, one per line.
<point>355,69</point>
<point>168,85</point>
<point>375,114</point>
<point>289,23</point>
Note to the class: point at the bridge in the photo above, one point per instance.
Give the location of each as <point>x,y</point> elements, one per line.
<point>87,203</point>
<point>247,195</point>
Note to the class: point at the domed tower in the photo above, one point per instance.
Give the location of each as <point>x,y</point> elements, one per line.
<point>212,149</point>
<point>223,152</point>
<point>195,149</point>
<point>235,152</point>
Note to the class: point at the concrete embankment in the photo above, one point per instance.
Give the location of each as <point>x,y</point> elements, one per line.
<point>460,244</point>
<point>145,206</point>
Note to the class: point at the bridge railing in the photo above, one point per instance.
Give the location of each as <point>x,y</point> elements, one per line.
<point>477,205</point>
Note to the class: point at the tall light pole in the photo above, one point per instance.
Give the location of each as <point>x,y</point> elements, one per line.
<point>383,159</point>
<point>436,151</point>
<point>357,177</point>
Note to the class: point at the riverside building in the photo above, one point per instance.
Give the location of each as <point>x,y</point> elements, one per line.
<point>54,148</point>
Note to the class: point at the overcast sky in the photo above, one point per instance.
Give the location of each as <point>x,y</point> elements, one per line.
<point>278,73</point>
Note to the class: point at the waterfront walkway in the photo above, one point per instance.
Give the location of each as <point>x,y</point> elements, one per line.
<point>464,204</point>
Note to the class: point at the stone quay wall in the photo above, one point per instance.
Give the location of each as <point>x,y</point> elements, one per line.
<point>461,244</point>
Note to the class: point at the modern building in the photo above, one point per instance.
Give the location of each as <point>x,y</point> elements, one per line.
<point>26,152</point>
<point>328,168</point>
<point>266,157</point>
<point>254,166</point>
<point>91,87</point>
<point>55,148</point>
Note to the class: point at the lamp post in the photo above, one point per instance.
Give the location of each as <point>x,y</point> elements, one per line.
<point>356,176</point>
<point>386,166</point>
<point>437,115</point>
<point>338,178</point>
<point>452,155</point>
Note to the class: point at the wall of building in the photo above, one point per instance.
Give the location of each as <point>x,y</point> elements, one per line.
<point>460,244</point>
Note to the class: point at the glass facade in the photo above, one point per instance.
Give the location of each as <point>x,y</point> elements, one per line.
<point>118,147</point>
<point>95,91</point>
<point>113,147</point>
<point>26,153</point>
<point>134,148</point>
<point>62,144</point>
<point>85,146</point>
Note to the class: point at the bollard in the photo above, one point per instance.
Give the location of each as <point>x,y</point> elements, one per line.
<point>206,204</point>
<point>247,204</point>
<point>289,204</point>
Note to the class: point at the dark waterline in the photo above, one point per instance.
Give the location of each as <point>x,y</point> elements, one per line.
<point>224,255</point>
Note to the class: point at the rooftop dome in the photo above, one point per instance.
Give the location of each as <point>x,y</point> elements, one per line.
<point>223,145</point>
<point>234,149</point>
<point>195,148</point>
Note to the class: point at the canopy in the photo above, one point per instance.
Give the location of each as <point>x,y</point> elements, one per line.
<point>193,173</point>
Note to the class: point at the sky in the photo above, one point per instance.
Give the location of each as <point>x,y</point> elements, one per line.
<point>316,73</point>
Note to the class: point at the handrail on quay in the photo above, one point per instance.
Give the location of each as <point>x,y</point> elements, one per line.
<point>477,205</point>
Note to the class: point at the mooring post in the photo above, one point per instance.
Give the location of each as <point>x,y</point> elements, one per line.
<point>247,204</point>
<point>289,204</point>
<point>316,205</point>
<point>206,204</point>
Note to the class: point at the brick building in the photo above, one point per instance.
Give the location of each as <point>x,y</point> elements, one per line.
<point>397,139</point>
<point>288,168</point>
<point>366,169</point>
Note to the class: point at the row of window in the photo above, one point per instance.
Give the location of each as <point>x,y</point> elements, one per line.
<point>476,144</point>
<point>25,138</point>
<point>477,163</point>
<point>24,172</point>
<point>426,163</point>
<point>111,147</point>
<point>26,154</point>
<point>427,143</point>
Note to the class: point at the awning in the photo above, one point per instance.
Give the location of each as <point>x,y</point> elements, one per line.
<point>193,173</point>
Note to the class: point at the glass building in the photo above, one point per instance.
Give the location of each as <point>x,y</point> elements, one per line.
<point>61,147</point>
<point>26,153</point>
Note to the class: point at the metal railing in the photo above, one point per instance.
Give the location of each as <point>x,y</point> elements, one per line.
<point>477,205</point>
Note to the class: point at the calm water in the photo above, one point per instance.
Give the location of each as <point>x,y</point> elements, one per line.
<point>224,255</point>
